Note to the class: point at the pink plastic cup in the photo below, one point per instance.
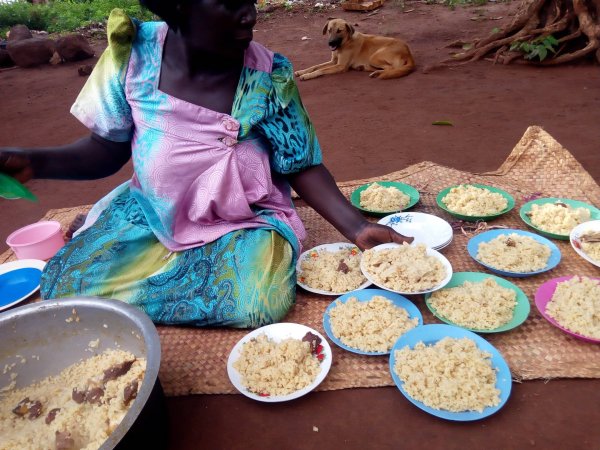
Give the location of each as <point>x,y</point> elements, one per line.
<point>39,240</point>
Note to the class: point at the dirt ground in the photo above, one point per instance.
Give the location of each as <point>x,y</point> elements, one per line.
<point>367,128</point>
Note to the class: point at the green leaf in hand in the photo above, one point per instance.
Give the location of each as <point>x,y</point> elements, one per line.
<point>12,189</point>
<point>442,122</point>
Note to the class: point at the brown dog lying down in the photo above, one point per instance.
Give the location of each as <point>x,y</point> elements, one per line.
<point>386,57</point>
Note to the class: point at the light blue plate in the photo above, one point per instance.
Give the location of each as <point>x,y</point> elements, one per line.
<point>430,334</point>
<point>473,247</point>
<point>364,295</point>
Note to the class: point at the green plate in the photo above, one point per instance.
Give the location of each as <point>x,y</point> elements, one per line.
<point>506,195</point>
<point>520,313</point>
<point>594,213</point>
<point>407,189</point>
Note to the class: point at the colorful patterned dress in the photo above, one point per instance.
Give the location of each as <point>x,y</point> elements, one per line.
<point>205,232</point>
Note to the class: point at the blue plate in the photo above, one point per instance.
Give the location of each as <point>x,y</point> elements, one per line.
<point>364,295</point>
<point>19,280</point>
<point>473,247</point>
<point>430,334</point>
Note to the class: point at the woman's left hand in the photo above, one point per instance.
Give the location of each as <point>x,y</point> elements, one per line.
<point>374,234</point>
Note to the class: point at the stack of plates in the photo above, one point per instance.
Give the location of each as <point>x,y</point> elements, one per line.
<point>427,229</point>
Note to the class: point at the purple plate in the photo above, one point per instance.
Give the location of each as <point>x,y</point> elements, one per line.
<point>543,296</point>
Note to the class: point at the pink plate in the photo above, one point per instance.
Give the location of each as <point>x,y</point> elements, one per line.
<point>543,296</point>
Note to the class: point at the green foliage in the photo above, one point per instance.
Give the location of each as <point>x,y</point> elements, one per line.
<point>454,3</point>
<point>538,47</point>
<point>65,15</point>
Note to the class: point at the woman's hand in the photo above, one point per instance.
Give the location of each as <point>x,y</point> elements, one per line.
<point>373,234</point>
<point>16,163</point>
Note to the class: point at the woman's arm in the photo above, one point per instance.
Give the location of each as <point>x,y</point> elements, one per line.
<point>317,188</point>
<point>89,158</point>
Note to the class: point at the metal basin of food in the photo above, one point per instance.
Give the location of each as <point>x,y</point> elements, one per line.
<point>41,339</point>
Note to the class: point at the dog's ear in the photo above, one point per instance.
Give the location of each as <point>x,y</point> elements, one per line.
<point>326,24</point>
<point>350,29</point>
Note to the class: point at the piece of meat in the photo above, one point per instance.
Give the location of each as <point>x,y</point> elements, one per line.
<point>35,410</point>
<point>343,267</point>
<point>313,340</point>
<point>130,392</point>
<point>94,395</point>
<point>78,396</point>
<point>117,370</point>
<point>63,440</point>
<point>51,416</point>
<point>22,407</point>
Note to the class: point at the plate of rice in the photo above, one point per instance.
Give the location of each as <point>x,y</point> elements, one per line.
<point>450,372</point>
<point>572,304</point>
<point>384,197</point>
<point>557,217</point>
<point>585,240</point>
<point>279,362</point>
<point>514,253</point>
<point>370,321</point>
<point>479,302</point>
<point>474,201</point>
<point>331,269</point>
<point>406,269</point>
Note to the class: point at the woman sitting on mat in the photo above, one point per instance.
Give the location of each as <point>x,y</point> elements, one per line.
<point>205,232</point>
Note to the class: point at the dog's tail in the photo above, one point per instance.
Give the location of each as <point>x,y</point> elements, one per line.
<point>387,74</point>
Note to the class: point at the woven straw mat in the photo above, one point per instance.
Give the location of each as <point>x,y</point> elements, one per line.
<point>194,360</point>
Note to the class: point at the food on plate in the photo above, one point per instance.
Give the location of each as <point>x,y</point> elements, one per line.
<point>575,305</point>
<point>558,217</point>
<point>452,374</point>
<point>380,198</point>
<point>279,368</point>
<point>474,201</point>
<point>514,253</point>
<point>590,244</point>
<point>371,326</point>
<point>78,408</point>
<point>405,268</point>
<point>481,306</point>
<point>332,271</point>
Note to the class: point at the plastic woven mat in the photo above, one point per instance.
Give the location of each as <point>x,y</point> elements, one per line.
<point>194,360</point>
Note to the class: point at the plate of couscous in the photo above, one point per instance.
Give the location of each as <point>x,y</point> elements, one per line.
<point>331,269</point>
<point>572,304</point>
<point>384,197</point>
<point>475,201</point>
<point>479,302</point>
<point>585,240</point>
<point>557,217</point>
<point>279,362</point>
<point>450,372</point>
<point>370,321</point>
<point>514,253</point>
<point>406,269</point>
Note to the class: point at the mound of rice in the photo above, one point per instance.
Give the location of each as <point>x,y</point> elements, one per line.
<point>575,305</point>
<point>481,306</point>
<point>453,374</point>
<point>276,368</point>
<point>590,244</point>
<point>558,218</point>
<point>474,201</point>
<point>405,268</point>
<point>380,198</point>
<point>78,408</point>
<point>514,253</point>
<point>337,271</point>
<point>371,326</point>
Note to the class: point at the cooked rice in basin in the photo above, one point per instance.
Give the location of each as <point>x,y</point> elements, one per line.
<point>380,198</point>
<point>371,326</point>
<point>556,218</point>
<point>78,408</point>
<point>575,305</point>
<point>474,201</point>
<point>514,253</point>
<point>453,375</point>
<point>481,306</point>
<point>405,268</point>
<point>337,271</point>
<point>276,368</point>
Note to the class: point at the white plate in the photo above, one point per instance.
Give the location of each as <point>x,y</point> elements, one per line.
<point>575,236</point>
<point>427,229</point>
<point>278,332</point>
<point>16,265</point>
<point>430,252</point>
<point>330,248</point>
